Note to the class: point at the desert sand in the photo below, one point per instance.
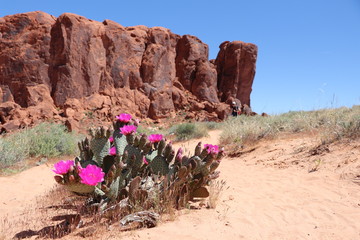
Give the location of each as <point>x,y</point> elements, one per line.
<point>277,189</point>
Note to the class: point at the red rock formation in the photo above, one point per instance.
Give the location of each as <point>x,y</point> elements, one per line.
<point>24,52</point>
<point>125,48</point>
<point>158,71</point>
<point>204,84</point>
<point>236,66</point>
<point>72,68</point>
<point>190,50</point>
<point>78,58</point>
<point>193,69</point>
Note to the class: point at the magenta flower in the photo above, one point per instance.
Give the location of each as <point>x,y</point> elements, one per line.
<point>124,117</point>
<point>91,175</point>
<point>128,129</point>
<point>63,166</point>
<point>154,138</point>
<point>145,161</point>
<point>211,148</point>
<point>112,151</point>
<point>111,139</point>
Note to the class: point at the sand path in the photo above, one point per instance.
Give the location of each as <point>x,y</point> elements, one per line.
<point>262,201</point>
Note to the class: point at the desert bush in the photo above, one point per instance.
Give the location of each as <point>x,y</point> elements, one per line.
<point>43,140</point>
<point>333,124</point>
<point>50,140</point>
<point>211,125</point>
<point>13,149</point>
<point>186,131</point>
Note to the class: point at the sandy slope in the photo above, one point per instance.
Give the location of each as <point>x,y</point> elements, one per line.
<point>271,195</point>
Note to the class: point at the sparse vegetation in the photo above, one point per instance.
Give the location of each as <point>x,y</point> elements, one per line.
<point>211,125</point>
<point>150,130</point>
<point>215,190</point>
<point>315,166</point>
<point>331,124</point>
<point>44,140</point>
<point>186,131</point>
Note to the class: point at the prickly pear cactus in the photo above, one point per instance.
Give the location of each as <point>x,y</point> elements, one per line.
<point>119,139</point>
<point>100,144</point>
<point>80,188</point>
<point>142,170</point>
<point>85,152</point>
<point>160,158</point>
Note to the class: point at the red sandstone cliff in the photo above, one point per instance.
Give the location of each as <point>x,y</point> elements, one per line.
<point>64,68</point>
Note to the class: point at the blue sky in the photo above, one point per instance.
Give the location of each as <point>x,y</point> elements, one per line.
<point>309,50</point>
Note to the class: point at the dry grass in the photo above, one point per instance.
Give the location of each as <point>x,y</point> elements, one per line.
<point>329,124</point>
<point>215,189</point>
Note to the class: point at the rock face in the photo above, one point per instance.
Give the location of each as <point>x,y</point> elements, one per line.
<point>236,66</point>
<point>194,70</point>
<point>70,66</point>
<point>24,53</point>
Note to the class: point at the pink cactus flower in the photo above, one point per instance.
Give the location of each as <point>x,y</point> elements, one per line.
<point>124,117</point>
<point>112,151</point>
<point>91,175</point>
<point>212,148</point>
<point>111,139</point>
<point>145,161</point>
<point>128,129</point>
<point>63,166</point>
<point>154,138</point>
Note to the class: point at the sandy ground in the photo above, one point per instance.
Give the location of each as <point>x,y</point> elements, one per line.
<point>279,189</point>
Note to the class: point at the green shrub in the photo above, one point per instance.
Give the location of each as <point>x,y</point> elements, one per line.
<point>12,150</point>
<point>44,140</point>
<point>211,125</point>
<point>187,131</point>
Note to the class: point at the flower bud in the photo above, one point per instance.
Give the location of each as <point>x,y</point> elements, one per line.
<point>113,167</point>
<point>179,156</point>
<point>104,188</point>
<point>110,174</point>
<point>71,178</point>
<point>58,179</point>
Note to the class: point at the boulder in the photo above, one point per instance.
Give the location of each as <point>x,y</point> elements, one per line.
<point>223,111</point>
<point>36,94</point>
<point>161,105</point>
<point>7,108</point>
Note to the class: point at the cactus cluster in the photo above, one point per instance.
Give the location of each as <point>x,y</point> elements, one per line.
<point>137,169</point>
